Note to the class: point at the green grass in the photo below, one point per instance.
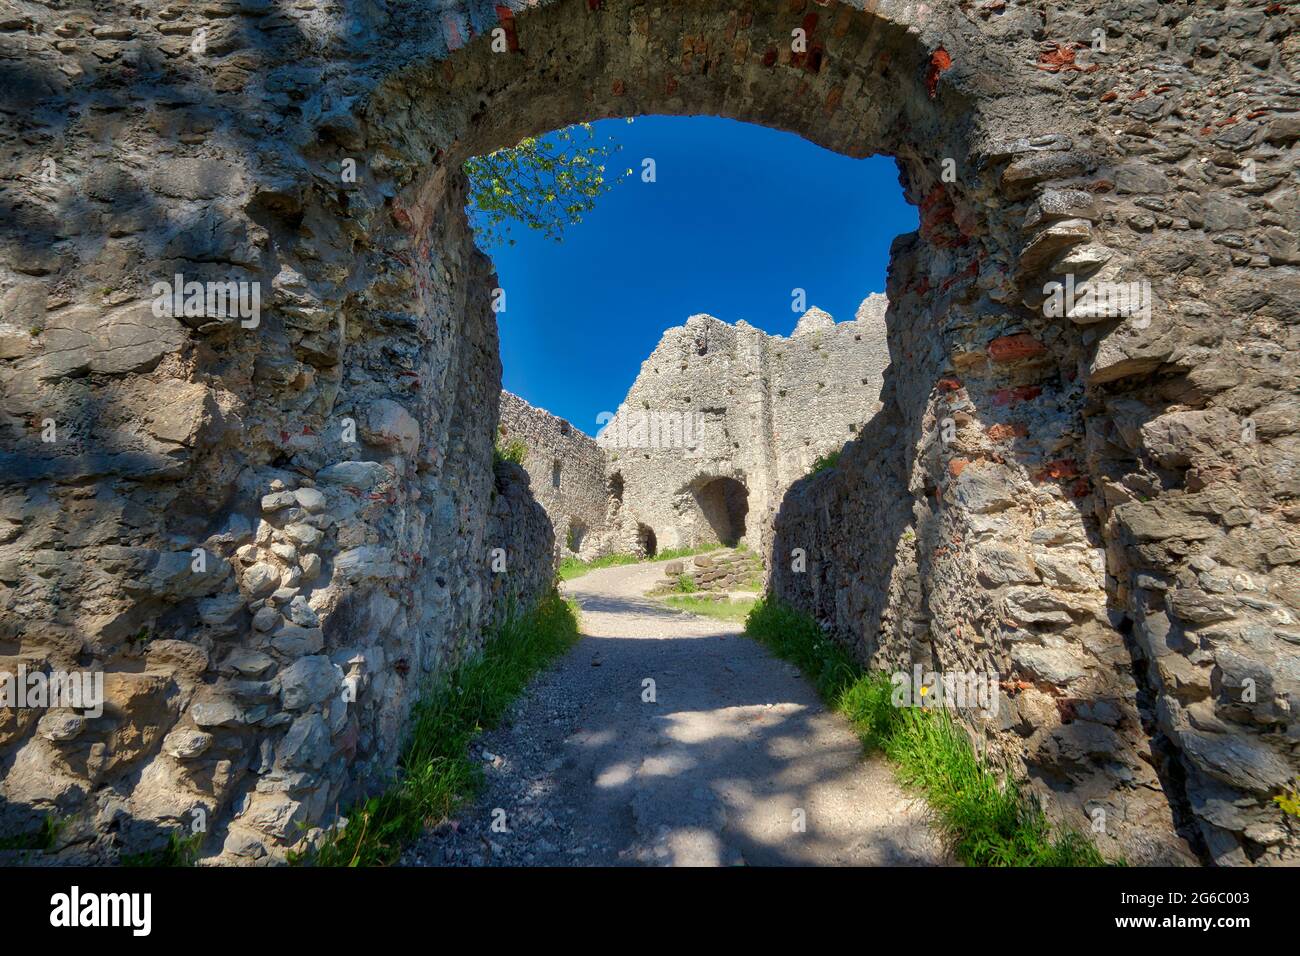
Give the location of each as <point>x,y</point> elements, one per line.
<point>42,839</point>
<point>984,817</point>
<point>726,610</point>
<point>435,771</point>
<point>179,851</point>
<point>673,553</point>
<point>571,568</point>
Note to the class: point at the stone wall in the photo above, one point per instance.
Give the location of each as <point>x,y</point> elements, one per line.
<point>242,528</point>
<point>567,472</point>
<point>824,385</point>
<point>723,418</point>
<point>521,528</point>
<point>1126,485</point>
<point>966,555</point>
<point>714,573</point>
<point>719,422</point>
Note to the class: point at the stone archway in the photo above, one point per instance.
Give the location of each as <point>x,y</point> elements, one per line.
<point>331,457</point>
<point>723,503</point>
<point>647,544</point>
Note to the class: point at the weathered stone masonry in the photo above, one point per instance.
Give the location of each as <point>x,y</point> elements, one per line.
<point>723,418</point>
<point>567,471</point>
<point>720,421</point>
<point>1114,526</point>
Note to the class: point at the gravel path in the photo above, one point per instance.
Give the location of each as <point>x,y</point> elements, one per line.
<point>717,770</point>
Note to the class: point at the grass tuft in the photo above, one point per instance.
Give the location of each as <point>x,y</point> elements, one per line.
<point>180,851</point>
<point>984,817</point>
<point>42,840</point>
<point>825,462</point>
<point>668,554</point>
<point>515,451</point>
<point>435,772</point>
<point>571,568</point>
<point>726,610</point>
<point>1288,800</point>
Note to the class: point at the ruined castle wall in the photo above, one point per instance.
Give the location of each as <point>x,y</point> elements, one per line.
<point>567,472</point>
<point>320,156</point>
<point>690,417</point>
<point>824,385</point>
<point>520,526</point>
<point>716,404</point>
<point>267,538</point>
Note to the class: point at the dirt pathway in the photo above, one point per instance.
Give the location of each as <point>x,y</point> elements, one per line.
<point>719,769</point>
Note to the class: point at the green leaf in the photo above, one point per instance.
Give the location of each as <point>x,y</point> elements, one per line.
<point>545,183</point>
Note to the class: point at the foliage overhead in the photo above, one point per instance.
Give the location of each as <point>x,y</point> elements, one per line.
<point>545,182</point>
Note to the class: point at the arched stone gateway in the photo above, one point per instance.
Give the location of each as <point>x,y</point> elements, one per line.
<point>238,507</point>
<point>647,544</point>
<point>723,503</point>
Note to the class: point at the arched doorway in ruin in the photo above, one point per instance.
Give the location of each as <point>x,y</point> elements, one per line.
<point>647,545</point>
<point>378,323</point>
<point>577,534</point>
<point>723,503</point>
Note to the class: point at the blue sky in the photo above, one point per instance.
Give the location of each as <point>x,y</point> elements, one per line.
<point>738,217</point>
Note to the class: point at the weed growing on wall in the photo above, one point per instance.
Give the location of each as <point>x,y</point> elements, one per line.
<point>825,462</point>
<point>515,451</point>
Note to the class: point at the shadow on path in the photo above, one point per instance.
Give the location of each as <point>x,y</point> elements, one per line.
<point>665,738</point>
